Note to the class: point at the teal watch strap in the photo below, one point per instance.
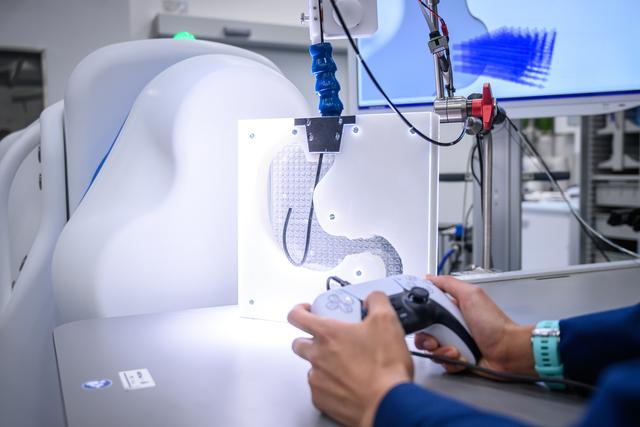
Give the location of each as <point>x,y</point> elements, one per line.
<point>545,340</point>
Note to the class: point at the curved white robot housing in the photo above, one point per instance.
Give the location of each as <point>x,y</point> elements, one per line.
<point>30,393</point>
<point>157,230</point>
<point>17,229</point>
<point>102,89</point>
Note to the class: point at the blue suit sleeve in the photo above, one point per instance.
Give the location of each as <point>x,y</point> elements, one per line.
<point>617,399</point>
<point>602,347</point>
<point>615,403</point>
<point>408,405</point>
<point>591,343</point>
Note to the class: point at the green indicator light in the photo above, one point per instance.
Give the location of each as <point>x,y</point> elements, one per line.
<point>184,35</point>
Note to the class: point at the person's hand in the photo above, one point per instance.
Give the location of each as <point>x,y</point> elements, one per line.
<point>505,346</point>
<point>353,365</point>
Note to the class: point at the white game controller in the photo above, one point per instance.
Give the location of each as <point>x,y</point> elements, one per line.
<point>420,306</point>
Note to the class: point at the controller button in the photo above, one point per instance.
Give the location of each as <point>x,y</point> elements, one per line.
<point>418,295</point>
<point>344,303</point>
<point>333,302</point>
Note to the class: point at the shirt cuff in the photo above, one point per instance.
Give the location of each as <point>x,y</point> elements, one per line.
<point>408,405</point>
<point>398,406</point>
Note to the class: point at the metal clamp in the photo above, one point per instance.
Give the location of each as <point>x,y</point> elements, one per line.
<point>324,134</point>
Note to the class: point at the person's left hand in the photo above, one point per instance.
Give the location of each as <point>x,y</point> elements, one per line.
<point>353,365</point>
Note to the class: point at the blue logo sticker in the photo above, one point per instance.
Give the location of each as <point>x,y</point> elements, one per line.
<point>97,384</point>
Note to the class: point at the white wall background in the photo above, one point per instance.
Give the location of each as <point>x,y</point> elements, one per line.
<point>283,12</point>
<point>67,30</point>
<point>296,65</point>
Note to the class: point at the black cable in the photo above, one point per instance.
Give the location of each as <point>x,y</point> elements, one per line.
<point>465,229</point>
<point>598,246</point>
<point>536,155</point>
<point>426,6</point>
<point>595,239</point>
<point>338,280</point>
<point>481,164</point>
<point>321,18</point>
<point>451,90</point>
<point>384,94</point>
<point>309,222</point>
<point>473,166</point>
<point>504,376</point>
<point>480,159</point>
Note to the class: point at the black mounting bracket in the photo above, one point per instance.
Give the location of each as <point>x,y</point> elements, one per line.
<point>324,134</point>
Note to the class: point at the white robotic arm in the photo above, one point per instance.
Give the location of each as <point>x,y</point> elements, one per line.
<point>360,16</point>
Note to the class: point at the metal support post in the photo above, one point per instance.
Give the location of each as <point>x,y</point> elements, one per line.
<point>506,207</point>
<point>487,199</point>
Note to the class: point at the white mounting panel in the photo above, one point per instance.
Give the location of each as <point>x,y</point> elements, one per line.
<point>383,185</point>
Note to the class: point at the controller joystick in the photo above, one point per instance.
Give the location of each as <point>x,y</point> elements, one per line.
<point>418,295</point>
<point>419,304</point>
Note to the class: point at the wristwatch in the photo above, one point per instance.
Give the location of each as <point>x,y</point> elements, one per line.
<point>545,340</point>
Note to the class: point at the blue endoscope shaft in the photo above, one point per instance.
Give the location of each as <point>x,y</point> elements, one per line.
<point>327,87</point>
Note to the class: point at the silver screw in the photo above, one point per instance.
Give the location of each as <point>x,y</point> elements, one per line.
<point>358,273</point>
<point>332,217</point>
<point>251,302</point>
<point>294,132</point>
<point>252,135</point>
<point>356,129</point>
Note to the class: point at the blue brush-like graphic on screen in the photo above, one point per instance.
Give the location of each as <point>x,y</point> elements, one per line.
<point>518,55</point>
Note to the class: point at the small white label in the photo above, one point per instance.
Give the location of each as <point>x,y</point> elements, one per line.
<point>136,379</point>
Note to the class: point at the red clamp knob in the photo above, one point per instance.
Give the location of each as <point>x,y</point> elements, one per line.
<point>484,108</point>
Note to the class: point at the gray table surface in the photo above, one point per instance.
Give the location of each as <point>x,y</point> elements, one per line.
<point>212,367</point>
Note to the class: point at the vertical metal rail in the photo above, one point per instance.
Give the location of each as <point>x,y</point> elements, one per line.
<point>487,199</point>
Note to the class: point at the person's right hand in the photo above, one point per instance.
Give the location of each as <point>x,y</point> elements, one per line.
<point>505,346</point>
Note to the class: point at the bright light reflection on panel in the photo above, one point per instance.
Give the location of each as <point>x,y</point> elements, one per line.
<point>382,184</point>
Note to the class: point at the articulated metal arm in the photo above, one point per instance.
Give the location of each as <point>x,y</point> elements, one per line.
<point>480,112</point>
<point>439,47</point>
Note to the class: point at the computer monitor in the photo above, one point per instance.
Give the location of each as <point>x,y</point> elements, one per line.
<point>542,58</point>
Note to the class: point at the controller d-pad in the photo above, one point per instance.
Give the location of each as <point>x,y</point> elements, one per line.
<point>342,302</point>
